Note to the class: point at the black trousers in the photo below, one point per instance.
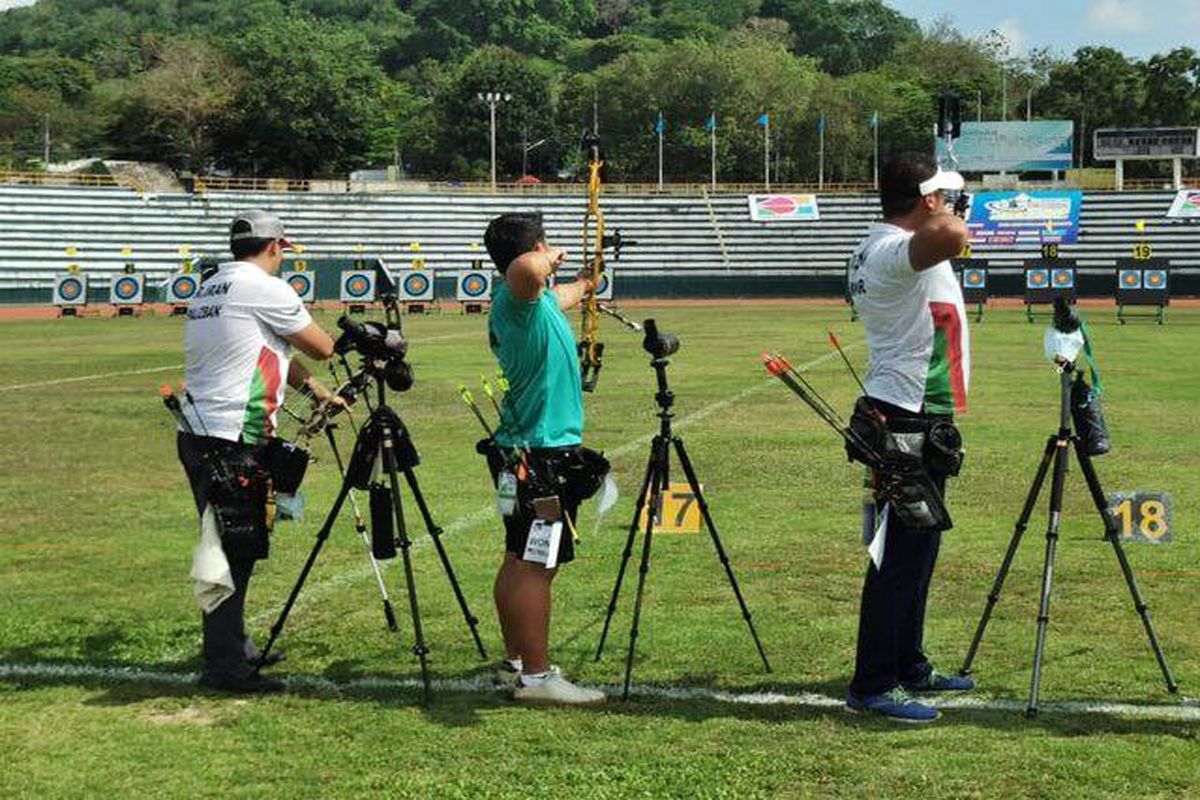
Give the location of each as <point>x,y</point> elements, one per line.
<point>227,650</point>
<point>891,620</point>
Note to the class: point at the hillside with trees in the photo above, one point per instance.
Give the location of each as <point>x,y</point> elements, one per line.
<point>321,87</point>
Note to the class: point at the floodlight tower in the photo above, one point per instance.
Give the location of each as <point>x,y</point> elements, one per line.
<point>493,99</point>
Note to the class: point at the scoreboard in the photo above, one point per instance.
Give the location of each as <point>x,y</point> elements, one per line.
<point>1146,143</point>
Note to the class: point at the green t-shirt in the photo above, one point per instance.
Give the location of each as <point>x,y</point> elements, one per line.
<point>536,349</point>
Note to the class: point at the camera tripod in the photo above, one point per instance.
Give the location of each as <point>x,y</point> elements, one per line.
<point>655,484</point>
<point>385,439</point>
<point>1056,451</point>
<point>360,527</point>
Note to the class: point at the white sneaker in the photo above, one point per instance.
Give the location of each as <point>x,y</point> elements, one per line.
<point>506,677</point>
<point>554,688</point>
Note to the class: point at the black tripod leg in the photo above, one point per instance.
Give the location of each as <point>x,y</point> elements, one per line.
<point>435,533</point>
<point>627,553</point>
<point>322,536</point>
<point>1062,452</point>
<point>659,456</point>
<point>360,527</point>
<point>405,544</point>
<point>686,463</point>
<point>1112,534</point>
<point>1013,543</point>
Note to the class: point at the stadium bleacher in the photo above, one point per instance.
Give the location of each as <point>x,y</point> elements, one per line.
<point>684,245</point>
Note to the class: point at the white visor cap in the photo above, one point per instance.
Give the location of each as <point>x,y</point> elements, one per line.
<point>942,180</point>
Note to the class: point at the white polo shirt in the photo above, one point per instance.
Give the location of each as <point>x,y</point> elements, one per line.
<point>916,325</point>
<point>236,359</point>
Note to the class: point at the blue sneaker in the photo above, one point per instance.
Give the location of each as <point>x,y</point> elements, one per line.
<point>896,705</point>
<point>938,682</point>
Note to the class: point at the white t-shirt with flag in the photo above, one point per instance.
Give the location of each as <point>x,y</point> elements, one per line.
<point>916,325</point>
<point>236,356</point>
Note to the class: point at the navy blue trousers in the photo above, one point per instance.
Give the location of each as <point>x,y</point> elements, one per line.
<point>891,619</point>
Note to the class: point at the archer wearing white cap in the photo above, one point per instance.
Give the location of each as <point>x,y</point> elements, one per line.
<point>241,326</point>
<point>905,290</point>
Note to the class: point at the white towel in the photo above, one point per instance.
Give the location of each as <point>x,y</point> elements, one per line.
<point>212,580</point>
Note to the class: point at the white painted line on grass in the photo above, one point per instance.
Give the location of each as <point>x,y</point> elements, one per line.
<point>1186,711</point>
<point>96,377</point>
<point>150,370</point>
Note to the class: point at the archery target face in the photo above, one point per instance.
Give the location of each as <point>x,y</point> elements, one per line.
<point>474,286</point>
<point>182,288</point>
<point>974,278</point>
<point>1130,278</point>
<point>1063,278</point>
<point>1155,279</point>
<point>358,286</point>
<point>70,290</point>
<point>416,286</point>
<point>1037,278</point>
<point>604,290</point>
<point>303,284</point>
<point>127,290</point>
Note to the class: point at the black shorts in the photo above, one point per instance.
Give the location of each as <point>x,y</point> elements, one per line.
<point>516,526</point>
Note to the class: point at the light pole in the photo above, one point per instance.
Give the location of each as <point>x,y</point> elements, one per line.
<point>493,99</point>
<point>526,149</point>
<point>979,105</point>
<point>1003,96</point>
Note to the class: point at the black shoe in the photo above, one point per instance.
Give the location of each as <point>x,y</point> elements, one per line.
<point>273,658</point>
<point>248,684</point>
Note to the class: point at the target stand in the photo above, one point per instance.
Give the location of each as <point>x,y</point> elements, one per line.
<point>1048,279</point>
<point>128,293</point>
<point>70,293</point>
<point>973,276</point>
<point>303,282</point>
<point>357,289</point>
<point>415,289</point>
<point>181,288</point>
<point>1143,282</point>
<point>473,289</point>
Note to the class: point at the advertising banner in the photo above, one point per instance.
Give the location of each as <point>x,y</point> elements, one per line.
<point>1186,205</point>
<point>1012,218</point>
<point>784,208</point>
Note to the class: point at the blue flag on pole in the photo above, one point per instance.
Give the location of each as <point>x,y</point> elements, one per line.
<point>710,124</point>
<point>821,124</point>
<point>764,120</point>
<point>874,120</point>
<point>660,125</point>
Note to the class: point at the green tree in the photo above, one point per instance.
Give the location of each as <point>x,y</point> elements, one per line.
<point>1098,88</point>
<point>1173,88</point>
<point>313,95</point>
<point>686,81</point>
<point>47,92</point>
<point>452,28</point>
<point>845,36</point>
<point>465,123</point>
<point>176,109</point>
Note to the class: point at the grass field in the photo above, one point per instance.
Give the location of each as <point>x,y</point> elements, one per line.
<point>99,633</point>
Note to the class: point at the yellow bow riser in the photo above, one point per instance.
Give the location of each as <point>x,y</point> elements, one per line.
<point>591,350</point>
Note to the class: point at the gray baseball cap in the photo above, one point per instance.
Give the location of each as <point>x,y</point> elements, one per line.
<point>258,224</point>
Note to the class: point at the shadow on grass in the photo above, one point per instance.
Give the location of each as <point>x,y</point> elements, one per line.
<point>461,699</point>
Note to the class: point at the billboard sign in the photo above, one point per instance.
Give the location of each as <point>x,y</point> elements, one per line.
<point>1041,145</point>
<point>1012,218</point>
